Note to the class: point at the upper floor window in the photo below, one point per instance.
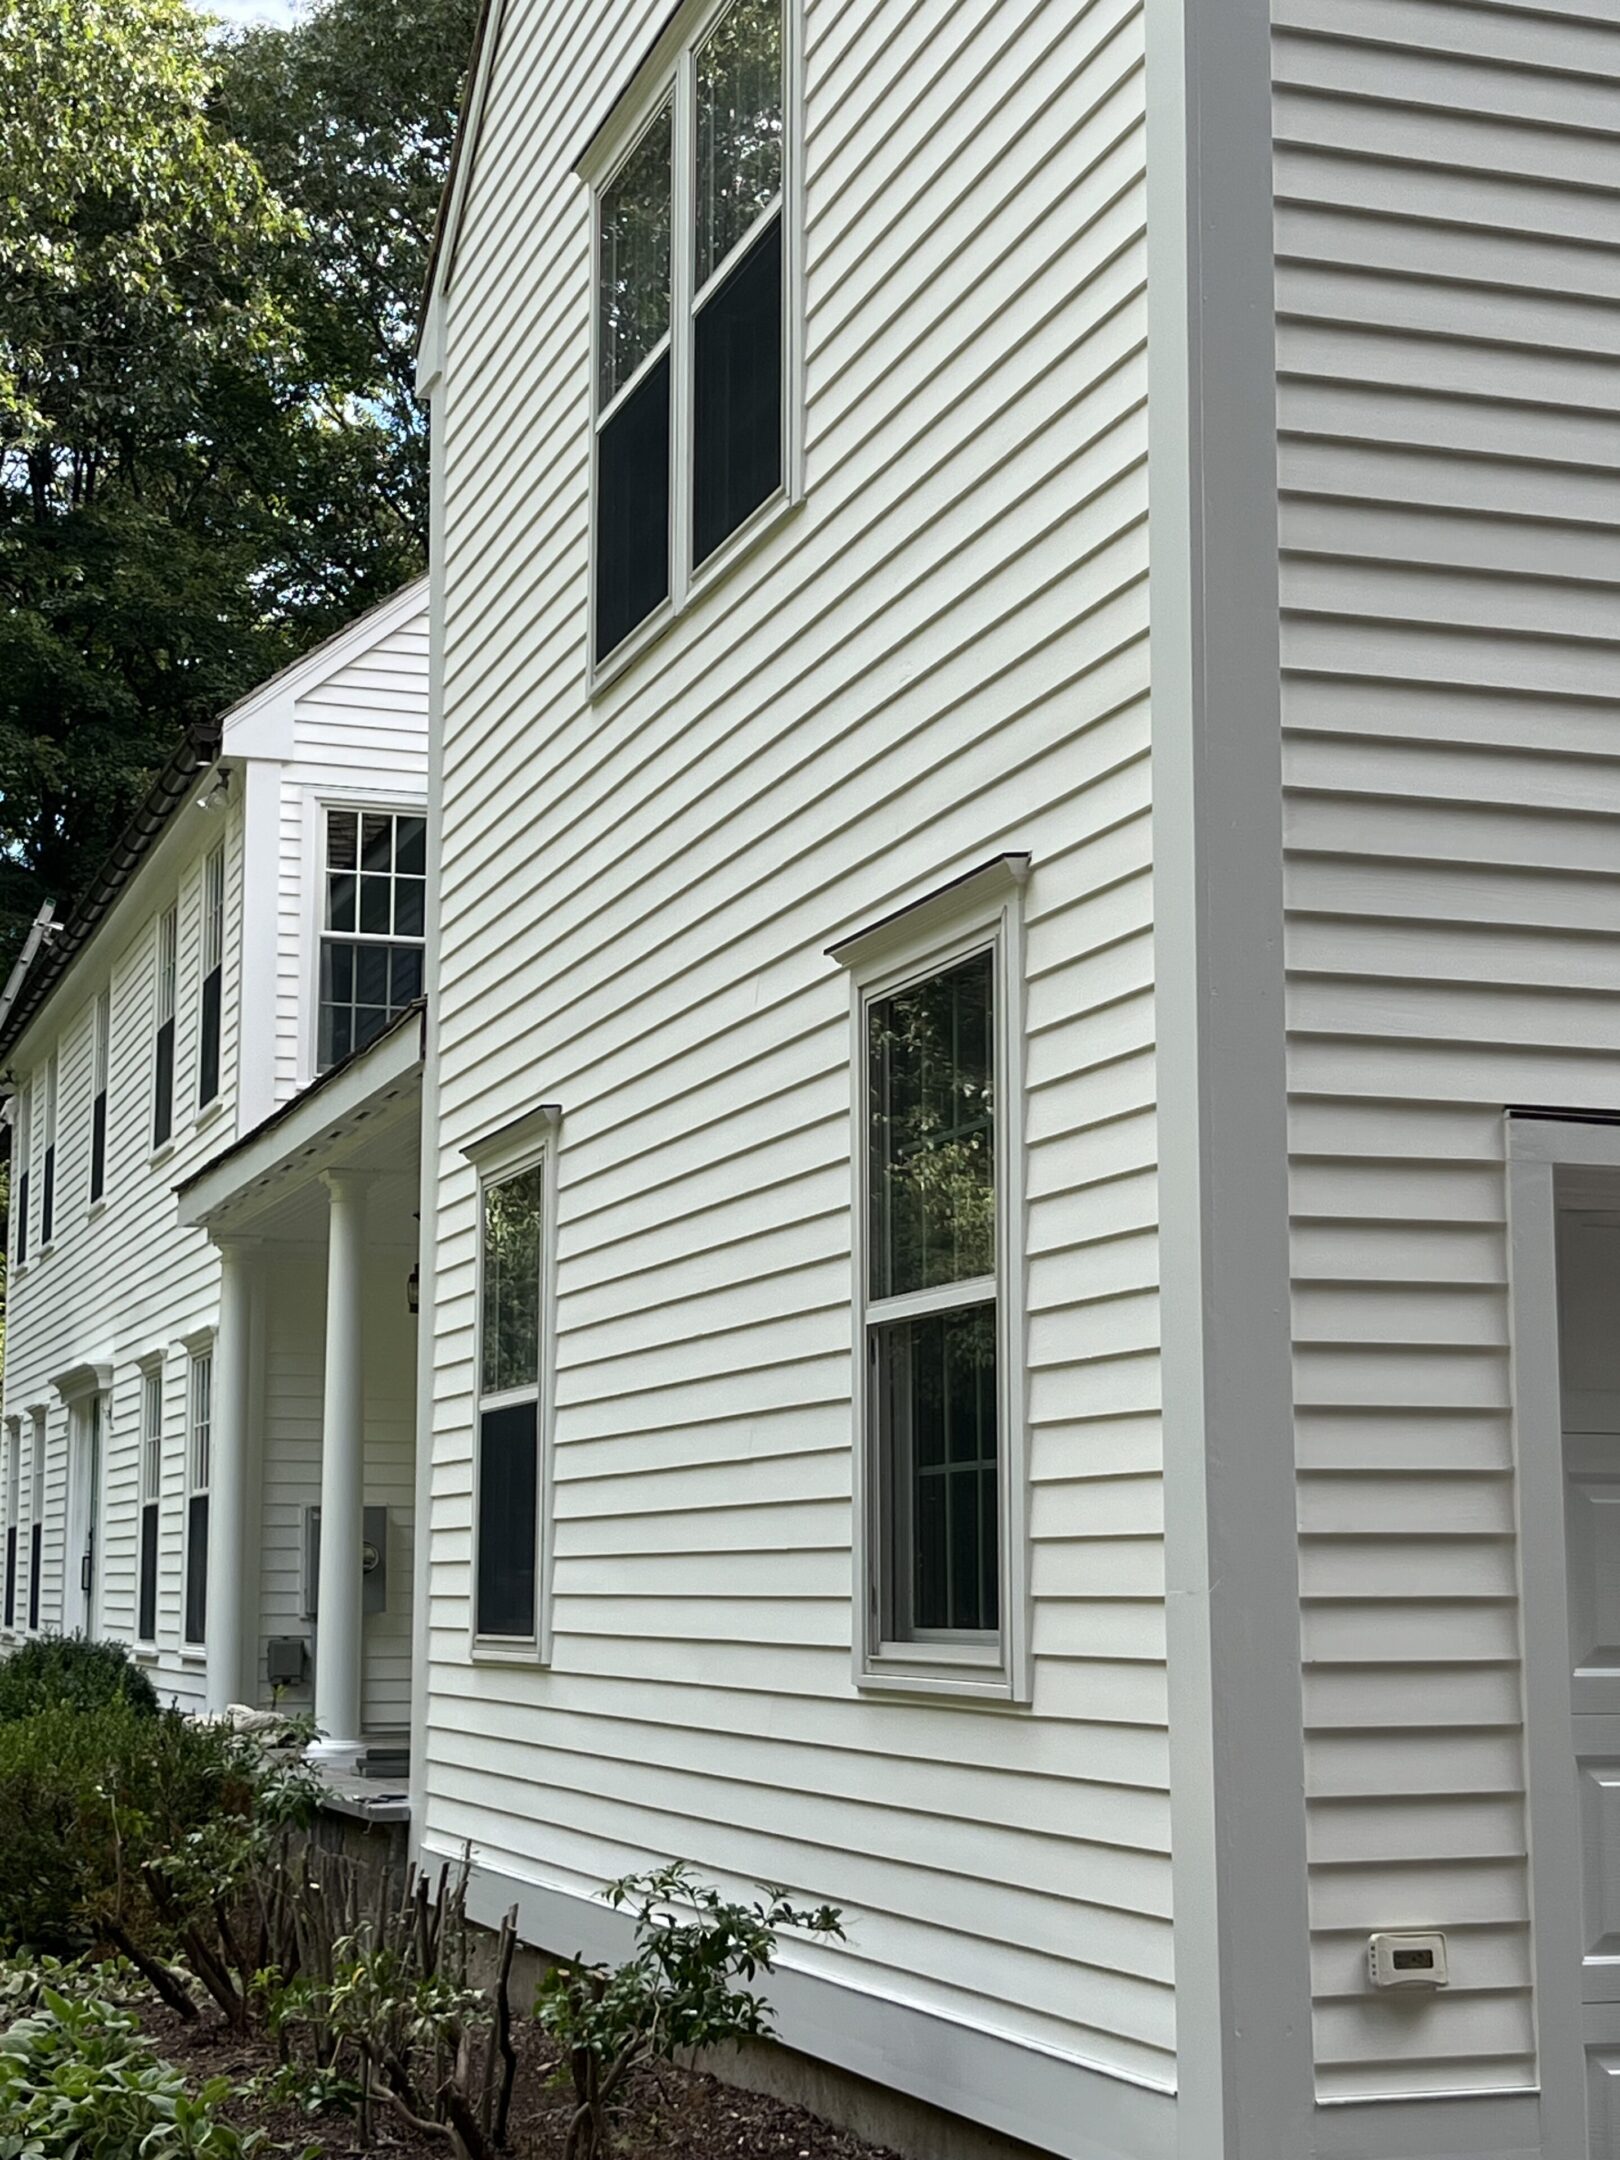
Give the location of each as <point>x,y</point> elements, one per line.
<point>375,916</point>
<point>690,394</point>
<point>47,1180</point>
<point>22,1157</point>
<point>213,975</point>
<point>168,954</point>
<point>101,1058</point>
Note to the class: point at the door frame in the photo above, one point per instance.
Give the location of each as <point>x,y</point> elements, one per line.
<point>1540,1143</point>
<point>84,1510</point>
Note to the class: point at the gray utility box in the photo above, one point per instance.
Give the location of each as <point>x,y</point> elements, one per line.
<point>373,1562</point>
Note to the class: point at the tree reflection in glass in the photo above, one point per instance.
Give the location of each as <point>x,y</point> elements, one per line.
<point>511,1282</point>
<point>633,296</point>
<point>739,127</point>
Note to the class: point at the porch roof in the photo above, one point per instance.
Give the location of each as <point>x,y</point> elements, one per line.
<point>363,1114</point>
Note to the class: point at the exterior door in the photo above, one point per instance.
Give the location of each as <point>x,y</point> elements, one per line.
<point>1590,1298</point>
<point>82,1558</point>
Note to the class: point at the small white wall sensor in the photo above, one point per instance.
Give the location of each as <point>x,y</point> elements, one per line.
<point>1415,1960</point>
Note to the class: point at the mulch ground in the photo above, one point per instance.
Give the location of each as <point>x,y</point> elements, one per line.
<point>670,2115</point>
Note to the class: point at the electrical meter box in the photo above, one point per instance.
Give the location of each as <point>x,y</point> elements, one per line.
<point>1416,1960</point>
<point>373,1562</point>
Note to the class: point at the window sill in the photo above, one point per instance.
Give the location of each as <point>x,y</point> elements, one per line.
<point>194,1655</point>
<point>160,1154</point>
<point>145,1653</point>
<point>497,1652</point>
<point>752,533</point>
<point>95,1209</point>
<point>208,1112</point>
<point>965,1676</point>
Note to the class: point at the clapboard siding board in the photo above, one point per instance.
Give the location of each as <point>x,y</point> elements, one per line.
<point>126,1282</point>
<point>940,655</point>
<point>1448,292</point>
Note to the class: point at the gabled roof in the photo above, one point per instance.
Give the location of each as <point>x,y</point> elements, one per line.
<point>192,756</point>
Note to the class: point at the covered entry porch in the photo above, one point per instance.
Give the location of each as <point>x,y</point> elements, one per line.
<point>312,1475</point>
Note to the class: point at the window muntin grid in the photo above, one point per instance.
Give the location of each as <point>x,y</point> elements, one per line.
<point>374,918</point>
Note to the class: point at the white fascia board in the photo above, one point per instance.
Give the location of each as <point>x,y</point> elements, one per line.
<point>260,725</point>
<point>464,157</point>
<point>310,1132</point>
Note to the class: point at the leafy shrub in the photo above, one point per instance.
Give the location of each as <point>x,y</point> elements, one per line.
<point>88,1798</point>
<point>77,2082</point>
<point>677,1993</point>
<point>71,1672</point>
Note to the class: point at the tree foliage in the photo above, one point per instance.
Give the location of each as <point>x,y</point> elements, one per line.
<point>211,255</point>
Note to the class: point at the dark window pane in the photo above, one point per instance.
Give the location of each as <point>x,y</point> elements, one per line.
<point>508,1488</point>
<point>337,972</point>
<point>47,1198</point>
<point>633,257</point>
<point>342,840</point>
<point>410,845</point>
<point>163,1085</point>
<point>36,1562</point>
<point>98,1146</point>
<point>377,841</point>
<point>11,1572</point>
<point>404,976</point>
<point>146,1617</point>
<point>376,895</point>
<point>340,903</point>
<point>930,1094</point>
<point>408,907</point>
<point>208,1047</point>
<point>737,391</point>
<point>739,127</point>
<point>937,1437</point>
<point>632,510</point>
<point>371,975</point>
<point>337,1034</point>
<point>369,1022</point>
<point>22,1217</point>
<point>197,1567</point>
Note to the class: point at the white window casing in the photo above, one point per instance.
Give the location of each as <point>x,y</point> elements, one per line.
<point>524,1150</point>
<point>978,918</point>
<point>199,1449</point>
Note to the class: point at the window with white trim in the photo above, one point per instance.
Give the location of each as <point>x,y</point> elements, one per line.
<point>199,1451</point>
<point>938,1244</point>
<point>151,1496</point>
<point>213,976</point>
<point>691,318</point>
<point>47,1181</point>
<point>13,1505</point>
<point>374,917</point>
<point>36,1517</point>
<point>23,1137</point>
<point>511,1304</point>
<point>102,1059</point>
<point>167,960</point>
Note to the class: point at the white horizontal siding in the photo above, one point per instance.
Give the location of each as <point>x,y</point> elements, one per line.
<point>941,655</point>
<point>1447,289</point>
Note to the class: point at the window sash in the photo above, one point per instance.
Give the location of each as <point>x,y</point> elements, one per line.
<point>200,1439</point>
<point>511,1466</point>
<point>151,1434</point>
<point>98,1103</point>
<point>213,940</point>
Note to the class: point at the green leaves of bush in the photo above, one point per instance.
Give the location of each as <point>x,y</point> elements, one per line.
<point>77,2082</point>
<point>71,1672</point>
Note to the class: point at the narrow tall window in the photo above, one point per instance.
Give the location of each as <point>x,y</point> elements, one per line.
<point>22,1165</point>
<point>374,920</point>
<point>36,1518</point>
<point>47,1180</point>
<point>690,247</point>
<point>199,1448</point>
<point>13,1505</point>
<point>151,1492</point>
<point>511,1242</point>
<point>167,957</point>
<point>213,975</point>
<point>102,1055</point>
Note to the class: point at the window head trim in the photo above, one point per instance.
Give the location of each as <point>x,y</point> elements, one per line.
<point>525,1143</point>
<point>978,912</point>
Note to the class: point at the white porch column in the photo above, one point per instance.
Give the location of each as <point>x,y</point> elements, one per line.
<point>340,1634</point>
<point>233,1571</point>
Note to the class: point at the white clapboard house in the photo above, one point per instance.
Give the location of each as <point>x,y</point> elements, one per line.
<point>1023,1194</point>
<point>233,1011</point>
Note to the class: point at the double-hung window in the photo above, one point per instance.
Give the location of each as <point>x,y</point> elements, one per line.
<point>22,1164</point>
<point>939,1298</point>
<point>13,1504</point>
<point>151,1493</point>
<point>47,1178</point>
<point>199,1451</point>
<point>375,908</point>
<point>167,971</point>
<point>36,1517</point>
<point>514,1211</point>
<point>101,1055</point>
<point>213,975</point>
<point>691,392</point>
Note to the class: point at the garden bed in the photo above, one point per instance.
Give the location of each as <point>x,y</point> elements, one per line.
<point>669,2114</point>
